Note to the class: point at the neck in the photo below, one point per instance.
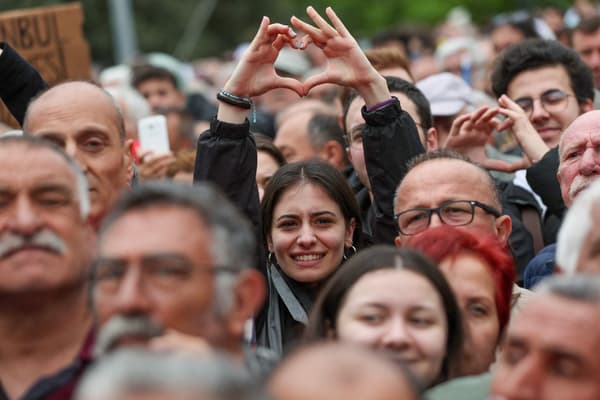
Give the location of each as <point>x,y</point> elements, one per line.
<point>42,324</point>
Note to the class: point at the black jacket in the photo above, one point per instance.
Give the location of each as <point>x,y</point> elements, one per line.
<point>226,155</point>
<point>19,82</point>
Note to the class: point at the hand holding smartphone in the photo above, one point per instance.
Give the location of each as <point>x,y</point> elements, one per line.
<point>153,134</point>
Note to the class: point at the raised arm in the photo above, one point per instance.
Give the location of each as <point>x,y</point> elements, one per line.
<point>389,136</point>
<point>20,82</point>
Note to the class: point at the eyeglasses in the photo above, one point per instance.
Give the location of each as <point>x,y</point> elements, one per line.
<point>161,271</point>
<point>553,100</point>
<point>453,212</point>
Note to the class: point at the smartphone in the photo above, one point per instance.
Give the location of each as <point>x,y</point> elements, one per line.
<point>153,134</point>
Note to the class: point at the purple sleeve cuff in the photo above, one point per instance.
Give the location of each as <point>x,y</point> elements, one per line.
<point>380,105</point>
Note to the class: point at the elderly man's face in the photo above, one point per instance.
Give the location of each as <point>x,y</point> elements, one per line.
<point>81,119</point>
<point>157,263</point>
<point>435,182</point>
<point>45,243</point>
<point>579,156</point>
<point>551,352</point>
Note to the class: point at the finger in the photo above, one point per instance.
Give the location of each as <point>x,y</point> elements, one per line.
<point>280,42</point>
<point>280,29</point>
<point>292,84</point>
<point>320,21</point>
<point>310,30</point>
<point>261,34</point>
<point>478,113</point>
<point>458,123</point>
<point>488,115</point>
<point>315,80</point>
<point>504,166</point>
<point>337,22</point>
<point>508,103</point>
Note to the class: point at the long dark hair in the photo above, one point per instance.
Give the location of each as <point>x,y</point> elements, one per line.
<point>317,173</point>
<point>326,309</point>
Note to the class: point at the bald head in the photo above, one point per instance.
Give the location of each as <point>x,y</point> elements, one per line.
<point>336,371</point>
<point>84,120</point>
<point>64,94</point>
<point>439,177</point>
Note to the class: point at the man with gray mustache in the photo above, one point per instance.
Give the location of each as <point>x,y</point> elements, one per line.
<point>175,271</point>
<point>46,244</point>
<point>579,158</point>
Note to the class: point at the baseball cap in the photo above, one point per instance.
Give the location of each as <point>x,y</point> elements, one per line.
<point>447,93</point>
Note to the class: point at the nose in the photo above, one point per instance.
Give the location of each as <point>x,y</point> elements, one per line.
<point>538,112</point>
<point>306,236</point>
<point>435,220</point>
<point>590,162</point>
<point>396,335</point>
<point>523,381</point>
<point>73,152</point>
<point>132,298</point>
<point>26,218</point>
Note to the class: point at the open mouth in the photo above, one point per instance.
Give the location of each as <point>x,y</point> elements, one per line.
<point>308,257</point>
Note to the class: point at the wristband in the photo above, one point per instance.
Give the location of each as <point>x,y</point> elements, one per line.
<point>233,100</point>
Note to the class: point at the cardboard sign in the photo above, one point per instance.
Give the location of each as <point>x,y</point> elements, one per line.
<point>51,39</point>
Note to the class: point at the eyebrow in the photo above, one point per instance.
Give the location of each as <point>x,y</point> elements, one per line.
<point>52,187</point>
<point>312,215</point>
<point>356,128</point>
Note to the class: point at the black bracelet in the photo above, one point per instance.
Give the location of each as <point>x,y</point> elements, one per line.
<point>233,100</point>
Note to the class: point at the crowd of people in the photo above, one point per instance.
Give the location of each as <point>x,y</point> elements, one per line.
<point>331,222</point>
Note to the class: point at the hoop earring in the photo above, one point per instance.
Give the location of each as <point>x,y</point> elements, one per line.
<point>345,256</point>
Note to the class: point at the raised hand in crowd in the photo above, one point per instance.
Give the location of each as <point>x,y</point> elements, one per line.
<point>255,73</point>
<point>346,63</point>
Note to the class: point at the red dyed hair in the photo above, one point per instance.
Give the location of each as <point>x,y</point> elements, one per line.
<point>444,242</point>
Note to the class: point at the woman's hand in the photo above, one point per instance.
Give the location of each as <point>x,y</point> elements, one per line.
<point>347,64</point>
<point>255,73</point>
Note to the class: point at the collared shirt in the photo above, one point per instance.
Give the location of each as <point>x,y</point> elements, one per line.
<point>60,386</point>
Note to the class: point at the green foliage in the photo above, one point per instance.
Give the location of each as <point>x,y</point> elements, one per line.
<point>161,24</point>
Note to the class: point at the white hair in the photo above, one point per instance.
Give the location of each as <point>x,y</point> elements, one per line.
<point>134,104</point>
<point>133,370</point>
<point>575,227</point>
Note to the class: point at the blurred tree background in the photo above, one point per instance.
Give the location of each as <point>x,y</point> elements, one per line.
<point>161,24</point>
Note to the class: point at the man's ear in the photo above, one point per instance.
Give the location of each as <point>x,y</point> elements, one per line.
<point>333,153</point>
<point>398,241</point>
<point>248,296</point>
<point>128,160</point>
<point>503,228</point>
<point>431,139</point>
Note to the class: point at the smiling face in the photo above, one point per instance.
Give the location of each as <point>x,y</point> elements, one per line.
<point>309,233</point>
<point>80,118</point>
<point>535,82</point>
<point>399,313</point>
<point>473,286</point>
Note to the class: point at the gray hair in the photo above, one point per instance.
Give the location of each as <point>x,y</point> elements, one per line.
<point>41,144</point>
<point>130,371</point>
<point>575,227</point>
<point>581,287</point>
<point>233,240</point>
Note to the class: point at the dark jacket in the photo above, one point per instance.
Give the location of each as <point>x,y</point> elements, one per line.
<point>20,82</point>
